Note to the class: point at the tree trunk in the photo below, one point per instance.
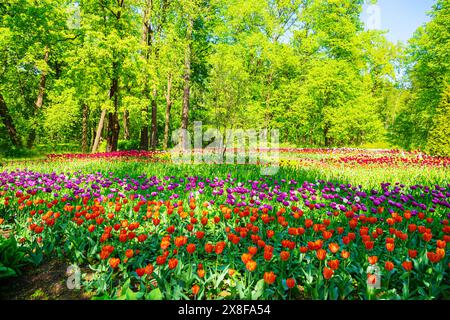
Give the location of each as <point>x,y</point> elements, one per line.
<point>9,124</point>
<point>113,132</point>
<point>39,100</point>
<point>144,138</point>
<point>154,126</point>
<point>145,41</point>
<point>126,125</point>
<point>93,136</point>
<point>187,83</point>
<point>168,107</point>
<point>325,134</point>
<point>112,138</point>
<point>99,131</point>
<point>84,130</point>
<point>40,97</point>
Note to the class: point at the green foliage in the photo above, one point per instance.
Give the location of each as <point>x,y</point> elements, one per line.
<point>128,144</point>
<point>438,140</point>
<point>307,68</point>
<point>14,152</point>
<point>428,73</point>
<point>12,258</point>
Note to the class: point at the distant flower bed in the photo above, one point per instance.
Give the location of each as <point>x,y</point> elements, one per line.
<point>319,157</point>
<point>361,157</point>
<point>114,154</point>
<point>418,159</point>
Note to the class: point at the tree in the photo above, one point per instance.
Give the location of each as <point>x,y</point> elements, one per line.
<point>187,76</point>
<point>438,140</point>
<point>94,71</point>
<point>428,72</point>
<point>42,30</point>
<point>8,123</point>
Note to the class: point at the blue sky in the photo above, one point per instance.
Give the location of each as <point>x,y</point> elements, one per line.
<point>401,17</point>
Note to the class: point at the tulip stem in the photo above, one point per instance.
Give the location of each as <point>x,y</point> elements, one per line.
<point>318,278</point>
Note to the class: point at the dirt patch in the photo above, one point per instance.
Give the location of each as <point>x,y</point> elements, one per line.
<point>46,282</point>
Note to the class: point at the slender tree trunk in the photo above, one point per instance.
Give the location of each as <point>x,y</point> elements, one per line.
<point>39,100</point>
<point>40,97</point>
<point>325,134</point>
<point>144,138</point>
<point>99,131</point>
<point>154,126</point>
<point>93,135</point>
<point>187,84</point>
<point>168,107</point>
<point>145,41</point>
<point>112,138</point>
<point>126,125</point>
<point>84,129</point>
<point>113,132</point>
<point>8,123</point>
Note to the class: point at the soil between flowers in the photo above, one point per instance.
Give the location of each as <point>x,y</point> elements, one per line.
<point>45,282</point>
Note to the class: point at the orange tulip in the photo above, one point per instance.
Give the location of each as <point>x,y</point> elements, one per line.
<point>373,259</point>
<point>268,255</point>
<point>209,248</point>
<point>201,273</point>
<point>412,253</point>
<point>190,248</point>
<point>180,241</point>
<point>441,244</point>
<point>433,257</point>
<point>333,264</point>
<point>114,262</point>
<point>369,245</point>
<point>251,265</point>
<point>173,263</point>
<point>321,254</point>
<point>220,246</point>
<point>390,247</point>
<point>269,277</point>
<point>129,253</point>
<point>290,283</point>
<point>160,260</point>
<point>327,273</point>
<point>195,289</point>
<point>149,269</point>
<point>389,266</point>
<point>246,257</point>
<point>334,247</point>
<point>407,265</point>
<point>345,254</point>
<point>427,236</point>
<point>303,249</point>
<point>165,244</point>
<point>284,255</point>
<point>140,271</point>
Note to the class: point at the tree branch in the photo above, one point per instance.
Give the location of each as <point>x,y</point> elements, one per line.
<point>107,8</point>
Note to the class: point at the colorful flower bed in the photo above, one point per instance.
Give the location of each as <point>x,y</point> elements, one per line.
<point>358,157</point>
<point>107,155</point>
<point>207,237</point>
